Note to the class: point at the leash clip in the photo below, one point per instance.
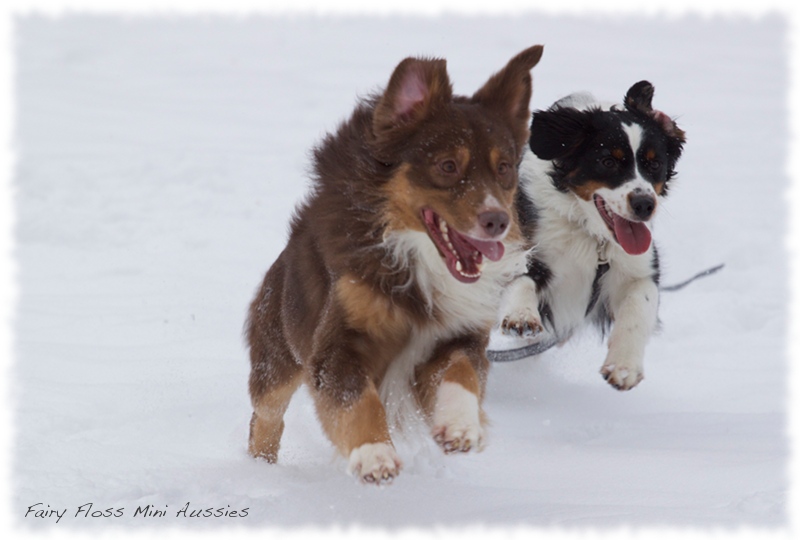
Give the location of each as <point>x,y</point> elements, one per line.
<point>602,252</point>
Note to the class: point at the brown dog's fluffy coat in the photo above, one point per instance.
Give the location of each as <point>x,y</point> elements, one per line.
<point>384,280</point>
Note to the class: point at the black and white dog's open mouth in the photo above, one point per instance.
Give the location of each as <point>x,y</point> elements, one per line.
<point>633,236</point>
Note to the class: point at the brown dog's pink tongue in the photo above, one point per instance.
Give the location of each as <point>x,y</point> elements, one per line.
<point>633,236</point>
<point>490,249</point>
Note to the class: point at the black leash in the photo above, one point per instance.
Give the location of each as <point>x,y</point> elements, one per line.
<point>510,355</point>
<point>682,284</point>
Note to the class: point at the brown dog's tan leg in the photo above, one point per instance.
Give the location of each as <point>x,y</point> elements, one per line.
<point>266,424</point>
<point>450,389</point>
<point>360,432</point>
<point>274,374</point>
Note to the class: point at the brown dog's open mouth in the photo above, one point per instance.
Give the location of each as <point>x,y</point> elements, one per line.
<point>462,255</point>
<point>633,236</point>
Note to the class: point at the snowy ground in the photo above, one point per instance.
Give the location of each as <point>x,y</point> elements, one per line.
<point>159,163</point>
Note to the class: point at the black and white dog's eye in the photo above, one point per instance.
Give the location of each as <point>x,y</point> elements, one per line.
<point>653,164</point>
<point>608,162</point>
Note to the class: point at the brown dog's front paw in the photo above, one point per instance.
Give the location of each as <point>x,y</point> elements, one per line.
<point>453,440</point>
<point>374,463</point>
<point>456,422</point>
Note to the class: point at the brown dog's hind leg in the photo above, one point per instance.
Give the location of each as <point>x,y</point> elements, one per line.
<point>266,424</point>
<point>274,374</point>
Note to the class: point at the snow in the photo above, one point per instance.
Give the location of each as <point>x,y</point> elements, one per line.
<point>159,162</point>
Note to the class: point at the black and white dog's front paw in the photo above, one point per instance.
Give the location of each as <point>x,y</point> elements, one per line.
<point>524,323</point>
<point>634,321</point>
<point>622,373</point>
<point>520,314</point>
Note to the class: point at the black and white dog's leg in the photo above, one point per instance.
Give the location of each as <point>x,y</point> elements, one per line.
<point>635,310</point>
<point>520,313</point>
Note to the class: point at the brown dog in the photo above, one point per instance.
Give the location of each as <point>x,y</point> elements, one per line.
<point>395,266</point>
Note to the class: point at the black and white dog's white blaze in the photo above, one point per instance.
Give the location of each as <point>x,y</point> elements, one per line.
<point>589,190</point>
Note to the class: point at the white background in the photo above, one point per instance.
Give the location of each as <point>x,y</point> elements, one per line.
<point>158,161</point>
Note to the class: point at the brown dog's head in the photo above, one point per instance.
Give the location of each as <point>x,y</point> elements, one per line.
<point>455,157</point>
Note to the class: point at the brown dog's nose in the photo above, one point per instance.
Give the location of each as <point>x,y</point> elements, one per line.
<point>494,223</point>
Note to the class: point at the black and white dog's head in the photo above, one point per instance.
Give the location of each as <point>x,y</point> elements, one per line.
<point>617,161</point>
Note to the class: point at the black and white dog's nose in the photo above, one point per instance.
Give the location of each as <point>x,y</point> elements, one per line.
<point>643,205</point>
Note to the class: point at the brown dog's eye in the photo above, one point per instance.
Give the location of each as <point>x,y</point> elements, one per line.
<point>506,177</point>
<point>448,166</point>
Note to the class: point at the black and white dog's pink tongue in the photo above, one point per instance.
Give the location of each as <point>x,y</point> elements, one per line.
<point>490,249</point>
<point>633,236</point>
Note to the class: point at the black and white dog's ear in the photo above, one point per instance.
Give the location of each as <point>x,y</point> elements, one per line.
<point>556,133</point>
<point>639,100</point>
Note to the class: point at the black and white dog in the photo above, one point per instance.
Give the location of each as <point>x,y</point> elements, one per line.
<point>588,193</point>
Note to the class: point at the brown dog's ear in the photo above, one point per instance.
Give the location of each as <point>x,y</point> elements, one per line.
<point>416,87</point>
<point>509,91</point>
